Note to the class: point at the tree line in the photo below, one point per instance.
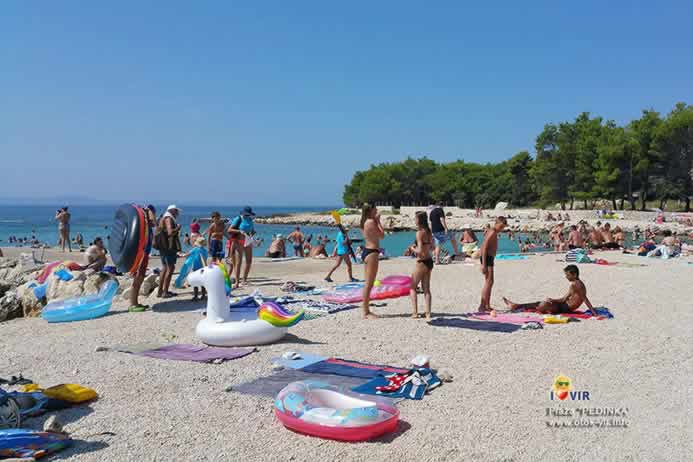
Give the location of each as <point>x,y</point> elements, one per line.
<point>585,160</point>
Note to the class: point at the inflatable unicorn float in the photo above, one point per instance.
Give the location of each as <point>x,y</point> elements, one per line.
<point>226,326</point>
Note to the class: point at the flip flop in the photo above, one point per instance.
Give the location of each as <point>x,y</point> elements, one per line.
<point>137,308</point>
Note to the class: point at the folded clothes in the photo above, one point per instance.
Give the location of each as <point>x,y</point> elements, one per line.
<point>336,366</point>
<point>413,384</point>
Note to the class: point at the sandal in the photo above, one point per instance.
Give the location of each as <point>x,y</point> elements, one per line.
<point>137,308</point>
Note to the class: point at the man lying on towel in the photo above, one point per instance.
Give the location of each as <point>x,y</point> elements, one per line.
<point>576,296</point>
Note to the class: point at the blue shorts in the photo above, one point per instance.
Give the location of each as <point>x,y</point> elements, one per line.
<point>169,260</point>
<point>216,248</point>
<point>441,238</point>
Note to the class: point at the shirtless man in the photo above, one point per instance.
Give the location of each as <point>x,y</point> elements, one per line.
<point>215,237</point>
<point>373,232</point>
<point>96,256</point>
<point>575,240</point>
<point>488,254</point>
<point>63,218</point>
<point>596,239</point>
<point>609,242</point>
<point>576,296</point>
<point>296,238</point>
<point>277,248</point>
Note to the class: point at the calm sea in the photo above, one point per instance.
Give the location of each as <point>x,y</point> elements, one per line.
<point>94,220</point>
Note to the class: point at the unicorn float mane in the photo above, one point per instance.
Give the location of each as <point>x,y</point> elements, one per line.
<point>278,316</point>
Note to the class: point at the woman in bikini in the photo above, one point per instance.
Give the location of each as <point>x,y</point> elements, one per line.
<point>424,265</point>
<point>373,232</point>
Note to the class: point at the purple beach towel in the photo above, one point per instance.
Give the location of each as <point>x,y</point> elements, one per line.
<point>197,353</point>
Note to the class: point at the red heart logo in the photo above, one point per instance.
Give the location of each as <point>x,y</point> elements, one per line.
<point>562,395</point>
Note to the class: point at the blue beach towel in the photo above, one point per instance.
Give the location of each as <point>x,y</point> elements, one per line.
<point>336,366</point>
<point>487,326</point>
<point>511,257</point>
<point>420,381</point>
<point>306,360</point>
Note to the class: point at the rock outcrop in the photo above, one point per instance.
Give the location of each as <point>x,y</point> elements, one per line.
<point>10,306</point>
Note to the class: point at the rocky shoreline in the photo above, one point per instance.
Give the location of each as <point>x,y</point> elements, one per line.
<point>18,277</point>
<point>521,220</point>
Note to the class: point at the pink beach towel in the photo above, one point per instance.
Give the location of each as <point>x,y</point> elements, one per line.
<point>509,318</point>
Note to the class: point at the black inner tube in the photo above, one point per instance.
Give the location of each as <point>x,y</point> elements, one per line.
<point>125,237</point>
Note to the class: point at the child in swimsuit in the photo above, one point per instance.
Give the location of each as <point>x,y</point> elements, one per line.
<point>216,238</point>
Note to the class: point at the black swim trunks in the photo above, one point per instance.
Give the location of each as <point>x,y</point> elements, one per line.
<point>489,261</point>
<point>366,252</point>
<point>428,262</point>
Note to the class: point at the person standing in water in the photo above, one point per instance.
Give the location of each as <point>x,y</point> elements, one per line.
<point>296,238</point>
<point>63,218</point>
<point>488,254</point>
<point>424,265</point>
<point>373,232</point>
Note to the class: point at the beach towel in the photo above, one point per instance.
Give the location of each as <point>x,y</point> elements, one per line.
<point>602,313</point>
<point>20,443</point>
<point>197,353</point>
<point>488,326</point>
<point>336,366</point>
<point>306,360</point>
<point>315,305</point>
<point>511,257</point>
<point>412,384</point>
<point>510,318</point>
<point>270,385</point>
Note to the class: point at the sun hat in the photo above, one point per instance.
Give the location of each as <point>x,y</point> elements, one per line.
<point>247,212</point>
<point>173,207</point>
<point>280,236</point>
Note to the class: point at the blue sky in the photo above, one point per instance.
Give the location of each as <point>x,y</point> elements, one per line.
<point>280,102</point>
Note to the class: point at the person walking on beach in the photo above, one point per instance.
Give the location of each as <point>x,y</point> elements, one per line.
<point>373,232</point>
<point>296,238</point>
<point>424,265</point>
<point>240,230</point>
<point>135,305</point>
<point>169,246</point>
<point>343,254</point>
<point>488,254</point>
<point>215,236</point>
<point>63,218</point>
<point>441,234</point>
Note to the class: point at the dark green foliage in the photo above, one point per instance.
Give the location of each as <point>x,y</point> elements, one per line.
<point>583,160</point>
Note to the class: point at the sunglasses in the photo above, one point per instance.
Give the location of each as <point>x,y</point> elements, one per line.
<point>562,384</point>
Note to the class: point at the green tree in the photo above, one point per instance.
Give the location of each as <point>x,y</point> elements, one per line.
<point>674,138</point>
<point>647,160</point>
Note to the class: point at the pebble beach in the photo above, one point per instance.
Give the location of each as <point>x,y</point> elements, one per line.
<point>494,409</point>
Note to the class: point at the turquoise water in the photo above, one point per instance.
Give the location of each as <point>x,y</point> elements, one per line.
<point>93,221</point>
